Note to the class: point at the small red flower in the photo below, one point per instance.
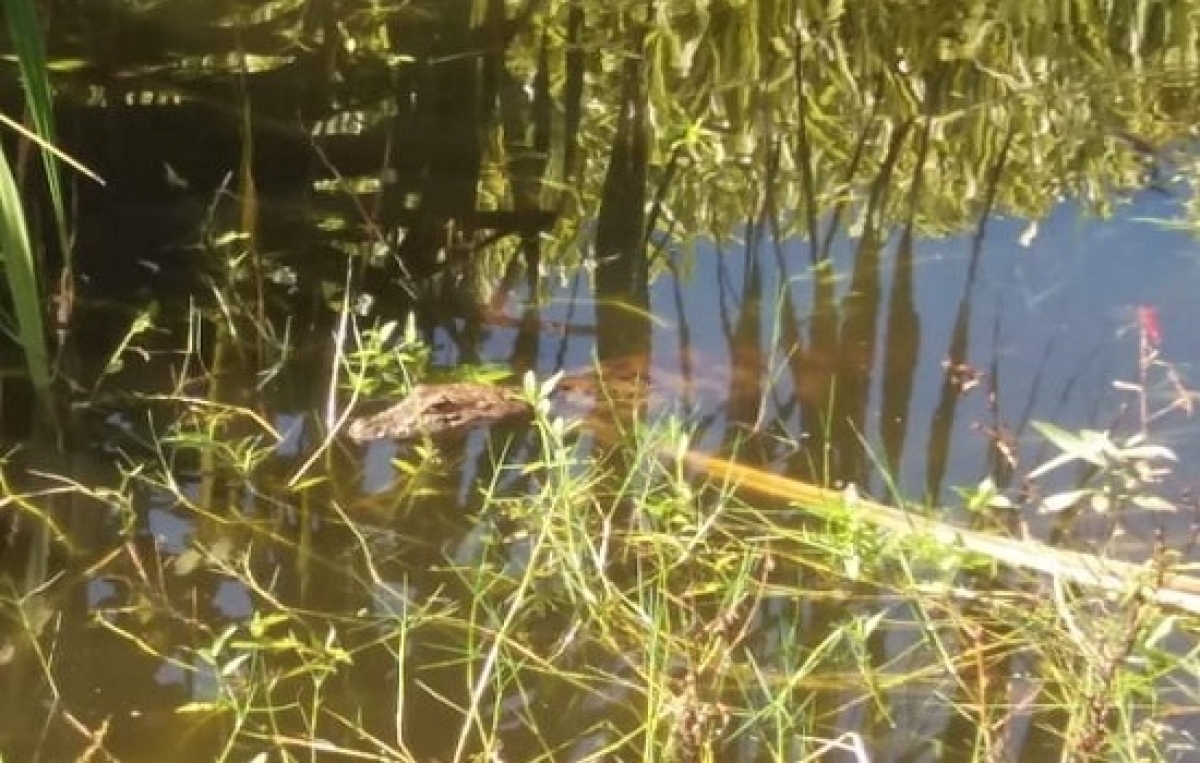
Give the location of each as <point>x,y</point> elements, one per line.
<point>1147,316</point>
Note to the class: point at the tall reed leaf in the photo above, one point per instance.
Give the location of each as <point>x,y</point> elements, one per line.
<point>20,271</point>
<point>26,35</point>
<point>21,266</point>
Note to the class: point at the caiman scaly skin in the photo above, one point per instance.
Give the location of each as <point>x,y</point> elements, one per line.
<point>434,409</point>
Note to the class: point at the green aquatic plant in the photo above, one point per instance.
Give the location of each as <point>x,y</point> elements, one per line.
<point>1124,472</point>
<point>386,358</point>
<point>24,272</point>
<point>613,594</point>
<point>23,278</point>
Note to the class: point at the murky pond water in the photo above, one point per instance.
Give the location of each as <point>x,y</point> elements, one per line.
<point>858,254</point>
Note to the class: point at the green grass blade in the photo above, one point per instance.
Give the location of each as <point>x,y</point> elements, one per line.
<point>26,35</point>
<point>21,274</point>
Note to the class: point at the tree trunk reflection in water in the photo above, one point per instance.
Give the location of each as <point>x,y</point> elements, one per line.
<point>622,270</point>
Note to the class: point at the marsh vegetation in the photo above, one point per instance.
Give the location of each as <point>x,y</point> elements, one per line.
<point>849,343</point>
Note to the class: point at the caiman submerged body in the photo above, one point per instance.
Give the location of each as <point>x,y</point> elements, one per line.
<point>618,385</point>
<point>433,409</point>
<point>436,409</point>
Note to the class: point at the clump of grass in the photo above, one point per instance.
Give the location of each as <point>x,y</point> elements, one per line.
<point>607,592</point>
<point>24,263</point>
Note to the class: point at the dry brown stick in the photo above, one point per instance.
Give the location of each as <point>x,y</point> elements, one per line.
<point>1168,589</point>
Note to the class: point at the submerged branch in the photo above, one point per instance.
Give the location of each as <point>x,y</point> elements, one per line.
<point>1166,589</point>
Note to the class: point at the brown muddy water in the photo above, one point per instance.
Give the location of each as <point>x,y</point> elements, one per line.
<point>1049,326</point>
<point>870,297</point>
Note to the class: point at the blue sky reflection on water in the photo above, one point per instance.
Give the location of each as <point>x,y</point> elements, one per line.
<point>1052,318</point>
<point>1063,314</point>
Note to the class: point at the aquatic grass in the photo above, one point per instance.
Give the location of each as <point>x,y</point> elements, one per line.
<point>681,608</point>
<point>658,608</point>
<point>34,625</point>
<point>25,33</point>
<point>610,592</point>
<point>23,265</point>
<point>22,276</point>
<point>658,617</point>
